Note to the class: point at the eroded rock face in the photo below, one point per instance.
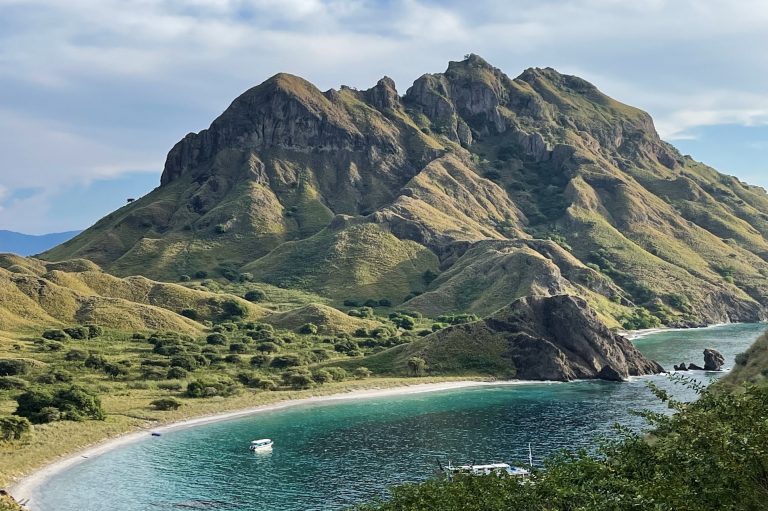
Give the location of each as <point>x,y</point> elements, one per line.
<point>713,360</point>
<point>545,338</point>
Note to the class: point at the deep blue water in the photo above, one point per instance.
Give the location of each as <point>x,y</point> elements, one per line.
<point>333,455</point>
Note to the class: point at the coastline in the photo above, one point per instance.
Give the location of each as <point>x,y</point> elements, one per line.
<point>25,489</point>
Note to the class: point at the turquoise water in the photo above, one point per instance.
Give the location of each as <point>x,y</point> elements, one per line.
<point>333,455</point>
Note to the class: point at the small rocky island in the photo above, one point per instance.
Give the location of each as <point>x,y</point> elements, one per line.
<point>713,361</point>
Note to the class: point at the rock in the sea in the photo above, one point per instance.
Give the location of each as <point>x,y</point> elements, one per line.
<point>537,338</point>
<point>694,367</point>
<point>713,360</point>
<point>681,367</point>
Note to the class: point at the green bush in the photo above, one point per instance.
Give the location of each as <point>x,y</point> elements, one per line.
<point>76,356</point>
<point>55,334</point>
<point>298,379</point>
<point>337,373</point>
<point>237,347</point>
<point>210,388</point>
<point>216,338</point>
<point>322,376</point>
<point>12,383</point>
<point>362,372</point>
<point>268,347</point>
<point>288,360</point>
<point>176,373</point>
<point>186,361</point>
<point>308,329</point>
<point>14,428</point>
<point>255,295</point>
<point>71,403</point>
<point>166,403</point>
<point>190,314</point>
<point>417,366</point>
<point>232,309</point>
<point>385,302</point>
<point>742,359</point>
<point>55,376</point>
<point>94,331</point>
<point>261,360</point>
<point>13,367</point>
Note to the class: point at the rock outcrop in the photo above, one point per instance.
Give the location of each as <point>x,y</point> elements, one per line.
<point>713,360</point>
<point>537,338</point>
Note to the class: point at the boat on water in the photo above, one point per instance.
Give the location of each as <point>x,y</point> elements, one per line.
<point>499,469</point>
<point>261,445</point>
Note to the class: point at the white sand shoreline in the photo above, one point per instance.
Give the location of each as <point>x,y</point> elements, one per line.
<point>25,490</point>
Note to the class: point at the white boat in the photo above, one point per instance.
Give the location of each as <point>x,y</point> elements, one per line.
<point>261,445</point>
<point>501,469</point>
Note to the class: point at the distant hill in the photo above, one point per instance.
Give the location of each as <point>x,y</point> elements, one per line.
<point>30,244</point>
<point>471,190</point>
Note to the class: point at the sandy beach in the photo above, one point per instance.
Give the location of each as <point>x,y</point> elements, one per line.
<point>25,490</point>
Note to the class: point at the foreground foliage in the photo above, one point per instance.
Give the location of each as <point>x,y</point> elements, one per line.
<point>713,454</point>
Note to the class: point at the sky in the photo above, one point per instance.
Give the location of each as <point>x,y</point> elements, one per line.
<point>93,93</point>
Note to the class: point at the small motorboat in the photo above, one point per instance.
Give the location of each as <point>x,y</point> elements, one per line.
<point>261,445</point>
<point>500,469</point>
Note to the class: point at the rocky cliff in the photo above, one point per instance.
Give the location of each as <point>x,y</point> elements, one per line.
<point>470,190</point>
<point>535,338</point>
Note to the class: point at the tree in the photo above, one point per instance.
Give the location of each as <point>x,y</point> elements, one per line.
<point>14,428</point>
<point>308,328</point>
<point>268,347</point>
<point>417,366</point>
<point>233,309</point>
<point>216,338</point>
<point>13,367</point>
<point>71,403</point>
<point>176,373</point>
<point>255,295</point>
<point>76,332</point>
<point>287,360</point>
<point>166,403</point>
<point>362,373</point>
<point>189,314</point>
<point>94,331</point>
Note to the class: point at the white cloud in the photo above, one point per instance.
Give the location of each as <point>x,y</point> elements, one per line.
<point>94,88</point>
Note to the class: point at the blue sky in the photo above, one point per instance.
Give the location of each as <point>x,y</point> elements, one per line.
<point>93,93</point>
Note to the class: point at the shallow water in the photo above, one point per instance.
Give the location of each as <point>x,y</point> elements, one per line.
<point>333,455</point>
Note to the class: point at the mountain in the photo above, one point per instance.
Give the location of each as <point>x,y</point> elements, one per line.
<point>29,244</point>
<point>471,190</point>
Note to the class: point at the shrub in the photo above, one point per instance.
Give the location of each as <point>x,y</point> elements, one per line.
<point>246,277</point>
<point>176,373</point>
<point>46,345</point>
<point>186,361</point>
<point>12,383</point>
<point>72,403</point>
<point>362,372</point>
<point>13,367</point>
<point>201,274</point>
<point>55,376</point>
<point>288,360</point>
<point>166,403</point>
<point>77,332</point>
<point>351,303</point>
<point>233,359</point>
<point>385,302</point>
<point>402,321</point>
<point>232,309</point>
<point>185,278</point>
<point>190,314</point>
<point>95,361</point>
<point>211,388</point>
<point>94,331</point>
<point>261,360</point>
<point>216,338</point>
<point>337,373</point>
<point>14,428</point>
<point>237,347</point>
<point>371,303</point>
<point>152,373</point>
<point>742,359</point>
<point>298,379</point>
<point>308,329</point>
<point>268,347</point>
<point>362,312</point>
<point>172,386</point>
<point>55,334</point>
<point>322,376</point>
<point>115,371</point>
<point>255,295</point>
<point>75,355</point>
<point>417,366</point>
